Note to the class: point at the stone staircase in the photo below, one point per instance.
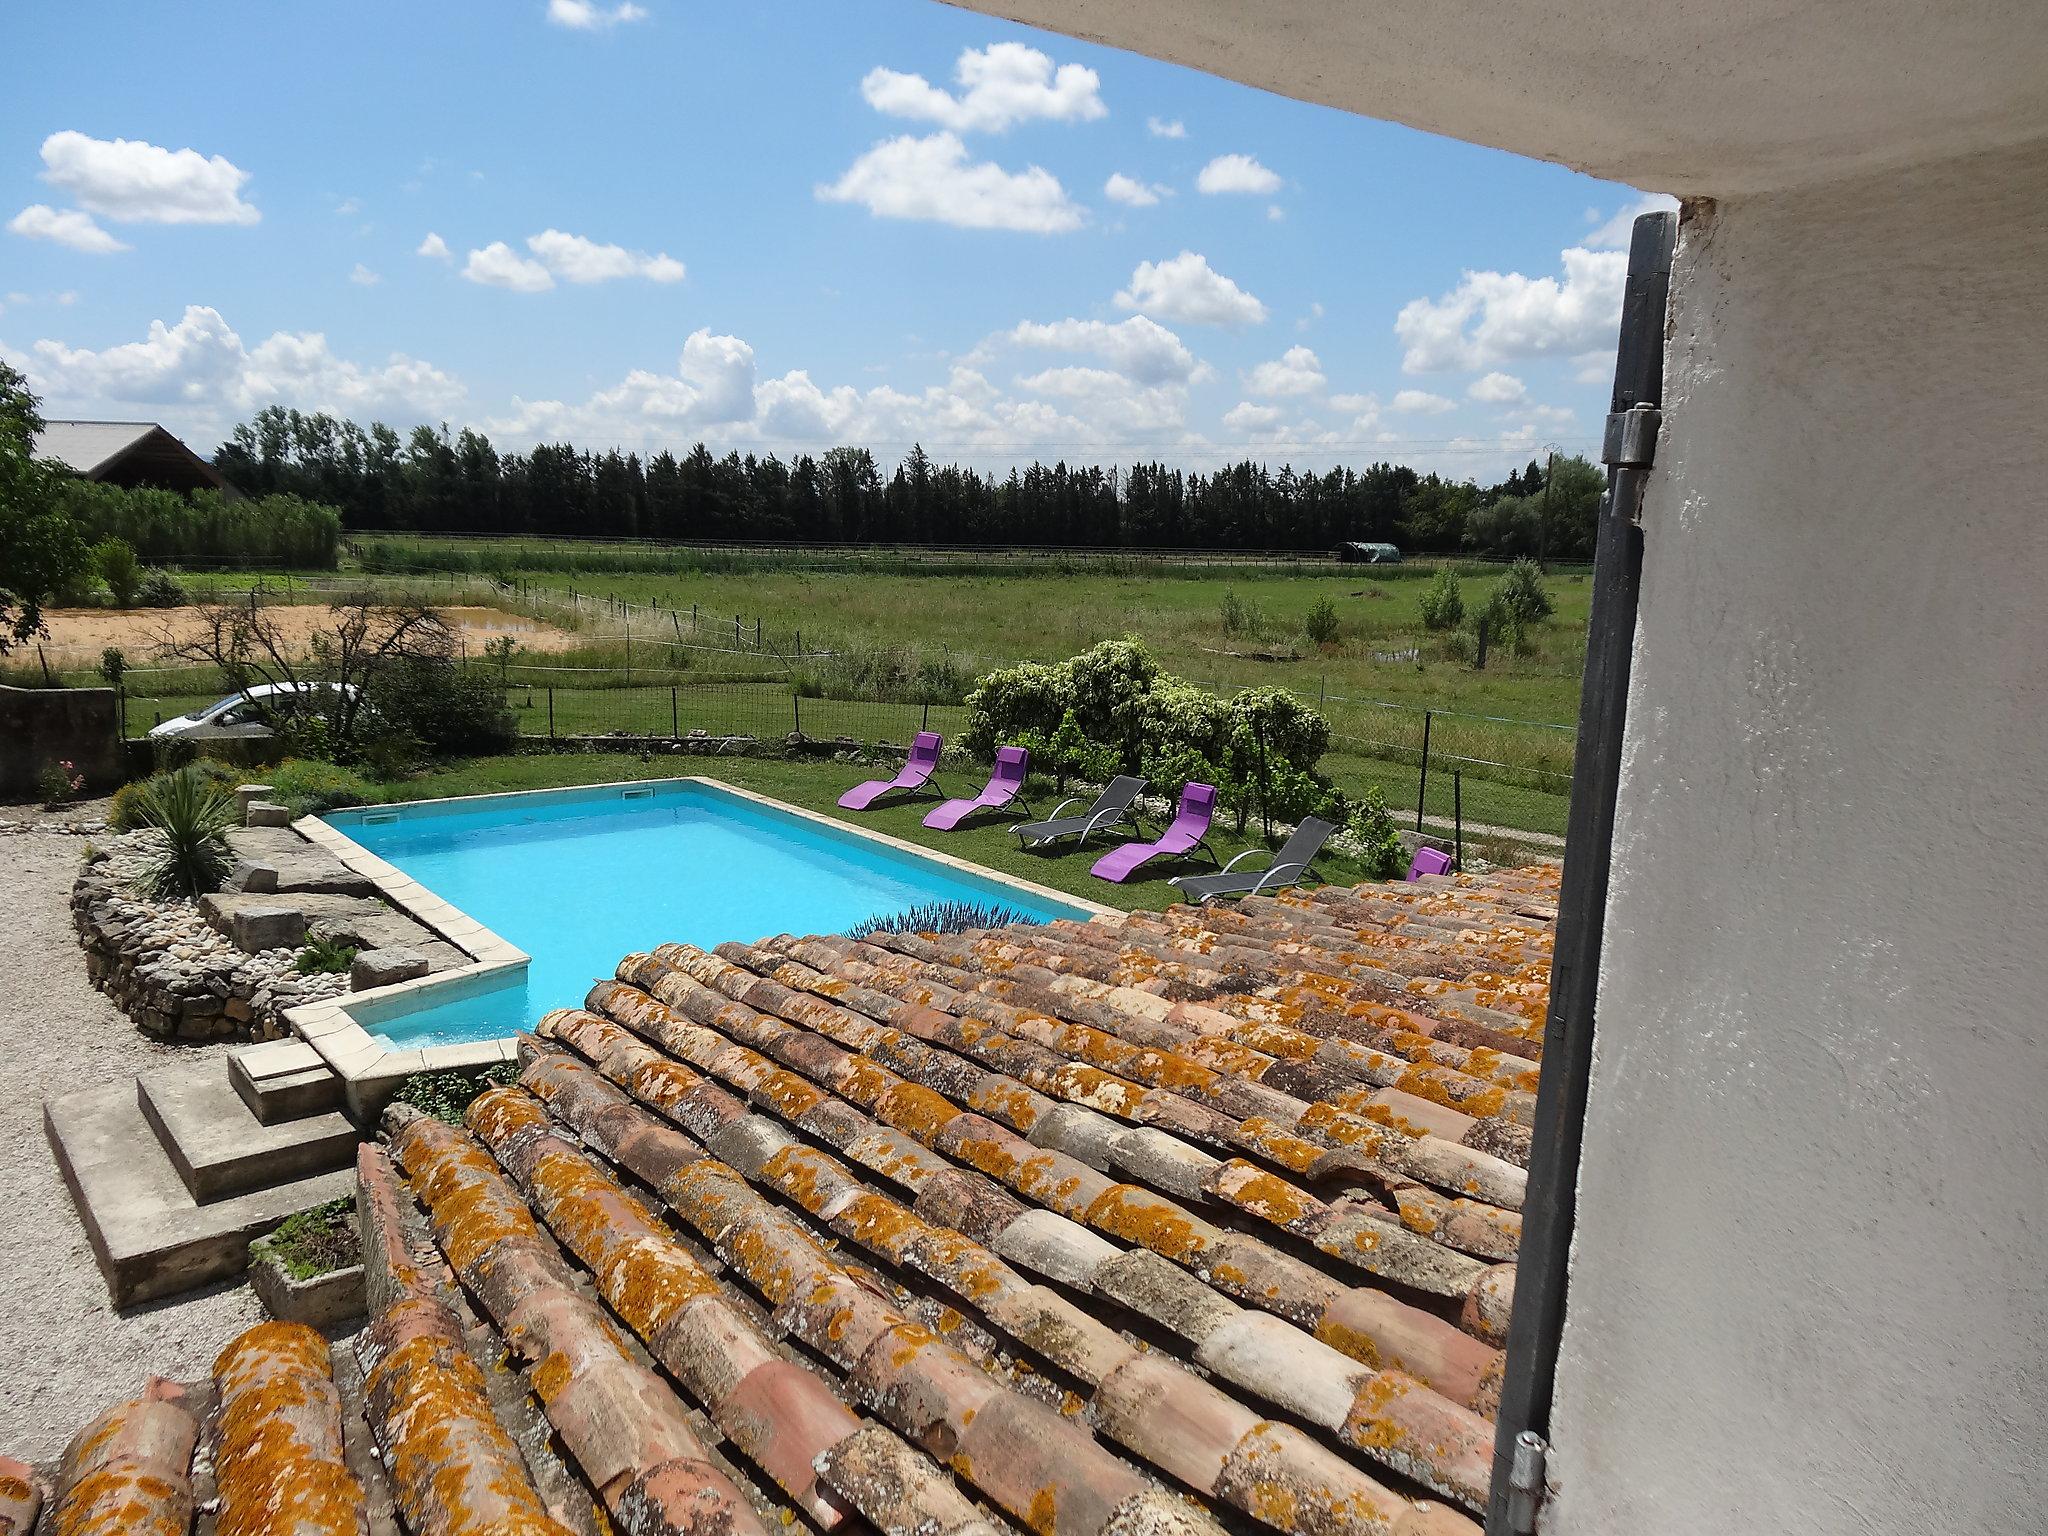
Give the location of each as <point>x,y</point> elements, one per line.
<point>176,1171</point>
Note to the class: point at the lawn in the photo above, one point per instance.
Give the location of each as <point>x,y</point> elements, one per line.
<point>816,785</point>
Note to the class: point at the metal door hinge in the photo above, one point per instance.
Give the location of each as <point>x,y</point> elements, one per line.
<point>1525,1482</point>
<point>1631,439</point>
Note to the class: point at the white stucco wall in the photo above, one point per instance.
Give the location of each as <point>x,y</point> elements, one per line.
<point>1810,1281</point>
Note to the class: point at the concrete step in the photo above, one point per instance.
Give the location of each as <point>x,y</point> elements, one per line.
<point>150,1236</point>
<point>221,1149</point>
<point>283,1080</point>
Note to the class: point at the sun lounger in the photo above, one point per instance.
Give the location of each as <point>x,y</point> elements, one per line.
<point>1289,866</point>
<point>1189,831</point>
<point>917,772</point>
<point>1113,805</point>
<point>1429,861</point>
<point>1005,787</point>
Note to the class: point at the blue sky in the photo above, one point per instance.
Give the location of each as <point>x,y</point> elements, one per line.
<point>776,225</point>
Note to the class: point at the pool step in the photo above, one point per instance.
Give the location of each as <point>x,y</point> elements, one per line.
<point>151,1237</point>
<point>283,1079</point>
<point>221,1149</point>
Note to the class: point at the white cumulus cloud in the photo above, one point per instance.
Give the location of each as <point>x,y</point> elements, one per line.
<point>575,259</point>
<point>1247,417</point>
<point>1185,288</point>
<point>932,179</point>
<point>497,265</point>
<point>1000,86</point>
<point>587,16</point>
<point>1139,348</point>
<point>1297,371</point>
<point>1166,127</point>
<point>1498,389</point>
<point>435,247</point>
<point>1236,173</point>
<point>1496,317</point>
<point>1420,402</point>
<point>66,226</point>
<point>1133,193</point>
<point>363,277</point>
<point>200,364</point>
<point>134,182</point>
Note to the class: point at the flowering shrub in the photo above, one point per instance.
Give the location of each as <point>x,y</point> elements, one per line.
<point>60,781</point>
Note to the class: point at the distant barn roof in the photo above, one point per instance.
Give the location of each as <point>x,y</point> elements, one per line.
<point>128,453</point>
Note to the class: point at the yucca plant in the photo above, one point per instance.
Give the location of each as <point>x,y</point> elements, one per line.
<point>189,812</point>
<point>938,917</point>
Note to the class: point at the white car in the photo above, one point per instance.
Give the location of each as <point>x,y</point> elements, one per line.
<point>240,716</point>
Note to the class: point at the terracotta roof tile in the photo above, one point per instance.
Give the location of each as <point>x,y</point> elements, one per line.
<point>1087,1229</point>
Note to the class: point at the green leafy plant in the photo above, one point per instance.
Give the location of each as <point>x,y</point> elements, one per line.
<point>938,917</point>
<point>1241,617</point>
<point>60,782</point>
<point>1321,624</point>
<point>115,561</point>
<point>1370,828</point>
<point>314,1242</point>
<point>160,589</point>
<point>324,957</point>
<point>448,1095</point>
<point>113,665</point>
<point>1523,593</point>
<point>191,813</point>
<point>1443,601</point>
<point>312,787</point>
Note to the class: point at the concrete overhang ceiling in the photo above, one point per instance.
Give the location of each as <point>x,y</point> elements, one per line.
<point>1696,97</point>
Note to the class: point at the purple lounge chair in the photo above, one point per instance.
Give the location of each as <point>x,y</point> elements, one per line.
<point>1429,861</point>
<point>1005,787</point>
<point>917,772</point>
<point>1189,831</point>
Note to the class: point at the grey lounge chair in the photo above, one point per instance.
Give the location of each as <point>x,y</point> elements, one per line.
<point>1111,807</point>
<point>1287,868</point>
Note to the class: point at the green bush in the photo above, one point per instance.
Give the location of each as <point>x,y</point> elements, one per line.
<point>125,814</point>
<point>1321,625</point>
<point>1523,594</point>
<point>311,787</point>
<point>324,957</point>
<point>164,527</point>
<point>1111,710</point>
<point>436,708</point>
<point>119,569</point>
<point>1443,602</point>
<point>190,812</point>
<point>447,1095</point>
<point>1371,827</point>
<point>896,674</point>
<point>1241,617</point>
<point>160,589</point>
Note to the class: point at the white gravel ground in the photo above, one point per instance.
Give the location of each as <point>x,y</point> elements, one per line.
<point>67,1353</point>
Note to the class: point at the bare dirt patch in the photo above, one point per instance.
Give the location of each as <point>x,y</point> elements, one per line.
<point>78,635</point>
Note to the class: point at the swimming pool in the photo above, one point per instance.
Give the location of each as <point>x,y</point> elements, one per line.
<point>578,878</point>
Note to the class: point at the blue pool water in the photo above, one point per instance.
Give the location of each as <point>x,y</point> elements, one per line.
<point>577,878</point>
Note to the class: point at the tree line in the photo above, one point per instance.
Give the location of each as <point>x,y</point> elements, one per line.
<point>432,481</point>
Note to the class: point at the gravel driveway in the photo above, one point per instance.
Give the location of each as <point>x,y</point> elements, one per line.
<point>66,1352</point>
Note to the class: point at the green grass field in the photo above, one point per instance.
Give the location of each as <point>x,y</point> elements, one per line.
<point>1506,729</point>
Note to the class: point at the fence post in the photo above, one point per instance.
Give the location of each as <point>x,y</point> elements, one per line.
<point>1458,818</point>
<point>757,631</point>
<point>551,711</point>
<point>675,718</point>
<point>1422,786</point>
<point>796,709</point>
<point>925,723</point>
